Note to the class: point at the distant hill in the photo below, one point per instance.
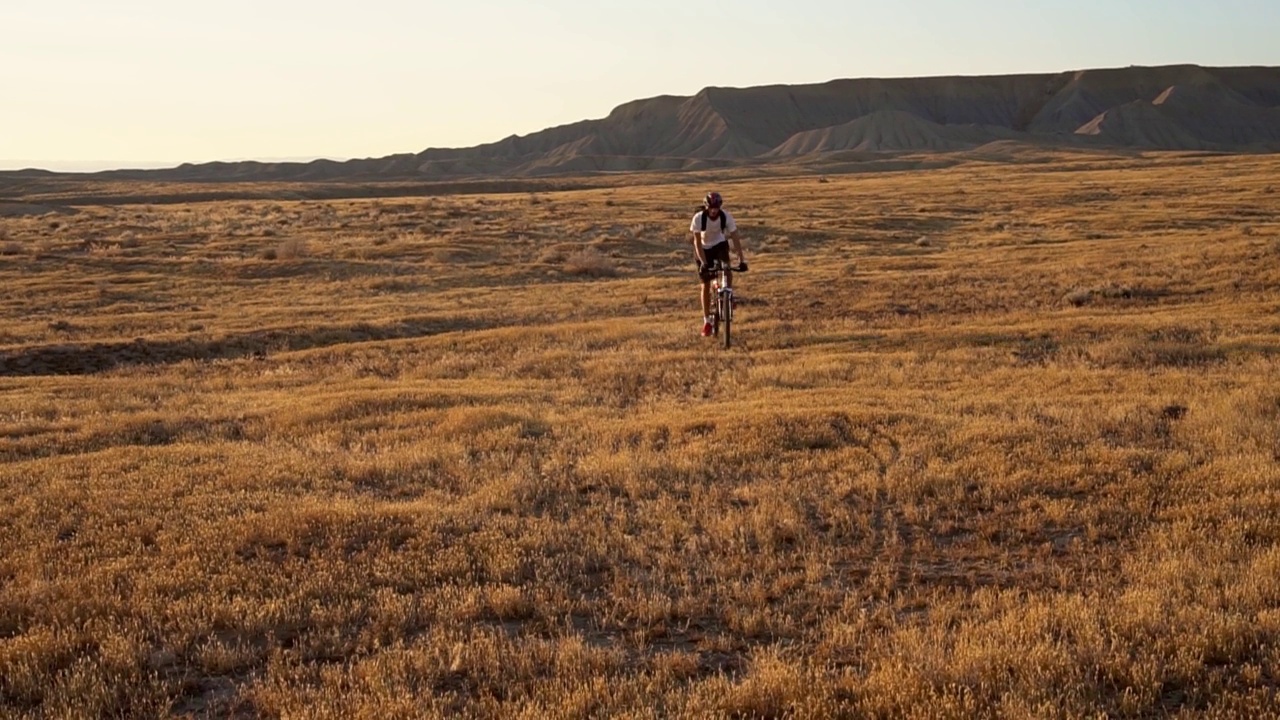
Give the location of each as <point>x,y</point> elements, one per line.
<point>1182,107</point>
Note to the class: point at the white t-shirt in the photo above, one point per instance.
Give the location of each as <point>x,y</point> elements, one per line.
<point>713,236</point>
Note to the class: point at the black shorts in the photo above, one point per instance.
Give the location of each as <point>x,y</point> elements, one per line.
<point>719,251</point>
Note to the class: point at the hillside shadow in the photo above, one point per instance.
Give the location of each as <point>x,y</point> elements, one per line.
<point>90,358</point>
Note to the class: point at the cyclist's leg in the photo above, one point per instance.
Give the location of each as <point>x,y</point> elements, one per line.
<point>705,279</point>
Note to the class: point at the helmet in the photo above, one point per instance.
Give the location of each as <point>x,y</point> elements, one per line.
<point>712,200</point>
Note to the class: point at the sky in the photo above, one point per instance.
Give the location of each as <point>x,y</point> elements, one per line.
<point>94,84</point>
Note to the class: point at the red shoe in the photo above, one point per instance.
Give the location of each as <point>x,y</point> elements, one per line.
<point>706,329</point>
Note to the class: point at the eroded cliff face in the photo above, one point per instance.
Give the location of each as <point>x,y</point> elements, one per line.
<point>1183,107</point>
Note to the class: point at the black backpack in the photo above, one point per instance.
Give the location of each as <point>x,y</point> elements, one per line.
<point>704,220</point>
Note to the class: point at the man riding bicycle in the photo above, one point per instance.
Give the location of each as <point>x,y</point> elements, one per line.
<point>708,230</point>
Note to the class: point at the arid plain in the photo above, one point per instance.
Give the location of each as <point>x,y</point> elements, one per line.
<point>995,440</point>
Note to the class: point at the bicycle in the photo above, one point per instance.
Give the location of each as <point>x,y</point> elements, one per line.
<point>723,313</point>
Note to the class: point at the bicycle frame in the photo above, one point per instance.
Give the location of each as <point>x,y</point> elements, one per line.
<point>723,315</point>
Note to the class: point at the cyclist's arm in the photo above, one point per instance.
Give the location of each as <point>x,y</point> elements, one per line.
<point>697,249</point>
<point>737,245</point>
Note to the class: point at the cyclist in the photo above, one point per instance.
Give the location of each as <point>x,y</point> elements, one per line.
<point>707,231</point>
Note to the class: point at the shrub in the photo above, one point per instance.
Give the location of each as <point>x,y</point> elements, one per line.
<point>1079,297</point>
<point>291,249</point>
<point>551,257</point>
<point>591,262</point>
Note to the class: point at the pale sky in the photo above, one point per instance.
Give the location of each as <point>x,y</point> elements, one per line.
<point>88,84</point>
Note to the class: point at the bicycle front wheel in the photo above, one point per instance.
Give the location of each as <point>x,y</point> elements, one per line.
<point>725,310</point>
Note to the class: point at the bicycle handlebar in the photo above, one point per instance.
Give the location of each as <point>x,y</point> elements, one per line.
<point>717,266</point>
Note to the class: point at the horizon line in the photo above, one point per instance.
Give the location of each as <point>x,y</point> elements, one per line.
<point>89,167</point>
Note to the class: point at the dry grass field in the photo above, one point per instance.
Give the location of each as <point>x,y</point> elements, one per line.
<point>993,441</point>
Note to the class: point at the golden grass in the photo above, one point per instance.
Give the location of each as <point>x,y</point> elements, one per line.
<point>994,441</point>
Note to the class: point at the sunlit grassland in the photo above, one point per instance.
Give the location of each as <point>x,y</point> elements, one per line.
<point>995,441</point>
